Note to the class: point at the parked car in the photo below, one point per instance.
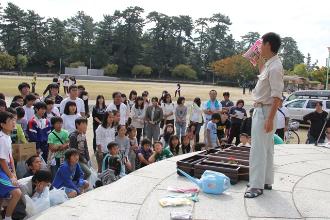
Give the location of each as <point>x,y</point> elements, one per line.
<point>298,108</point>
<point>309,94</point>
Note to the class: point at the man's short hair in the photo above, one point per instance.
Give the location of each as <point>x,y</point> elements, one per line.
<point>80,120</point>
<point>72,87</point>
<point>40,105</point>
<point>30,97</point>
<point>145,141</point>
<point>70,152</point>
<point>274,40</point>
<point>115,94</point>
<point>212,90</point>
<point>20,112</point>
<point>320,103</point>
<point>22,85</point>
<point>216,116</point>
<point>55,120</point>
<point>112,145</point>
<point>244,135</point>
<point>225,94</point>
<point>154,99</point>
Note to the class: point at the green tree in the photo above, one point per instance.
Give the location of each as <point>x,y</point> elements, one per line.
<point>249,39</point>
<point>76,64</point>
<point>82,27</point>
<point>7,62</point>
<point>35,38</point>
<point>184,71</point>
<point>12,29</point>
<point>319,74</point>
<point>21,61</point>
<point>50,64</point>
<point>110,69</point>
<point>127,38</point>
<point>290,53</point>
<point>300,70</point>
<point>141,70</point>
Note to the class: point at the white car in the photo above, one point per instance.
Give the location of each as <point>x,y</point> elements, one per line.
<point>298,108</point>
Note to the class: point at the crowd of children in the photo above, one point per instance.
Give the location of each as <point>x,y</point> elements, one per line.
<point>128,134</point>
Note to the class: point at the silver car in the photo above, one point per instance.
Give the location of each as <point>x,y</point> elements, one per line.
<point>298,108</point>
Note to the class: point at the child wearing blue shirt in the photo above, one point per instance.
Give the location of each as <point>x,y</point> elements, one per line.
<point>212,140</point>
<point>70,175</point>
<point>8,180</point>
<point>39,128</point>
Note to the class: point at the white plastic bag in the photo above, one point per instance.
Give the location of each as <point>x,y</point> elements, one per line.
<point>92,178</point>
<point>57,196</point>
<point>37,204</point>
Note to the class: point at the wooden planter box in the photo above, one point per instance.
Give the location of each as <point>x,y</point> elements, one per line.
<point>187,164</point>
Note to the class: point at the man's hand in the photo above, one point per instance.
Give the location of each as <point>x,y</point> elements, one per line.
<point>268,125</point>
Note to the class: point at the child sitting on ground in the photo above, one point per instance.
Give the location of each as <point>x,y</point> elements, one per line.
<point>168,132</point>
<point>113,167</point>
<point>191,135</point>
<point>40,181</point>
<point>174,144</point>
<point>144,152</point>
<point>244,139</point>
<point>185,146</point>
<point>39,129</point>
<point>58,141</point>
<point>8,181</point>
<point>160,153</point>
<point>110,160</point>
<point>33,164</point>
<point>70,175</point>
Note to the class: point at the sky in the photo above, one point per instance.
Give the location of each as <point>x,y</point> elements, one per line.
<point>307,21</point>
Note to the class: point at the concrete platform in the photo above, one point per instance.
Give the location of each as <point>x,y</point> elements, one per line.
<point>301,191</point>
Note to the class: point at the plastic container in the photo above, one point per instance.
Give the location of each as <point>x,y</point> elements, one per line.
<point>253,53</point>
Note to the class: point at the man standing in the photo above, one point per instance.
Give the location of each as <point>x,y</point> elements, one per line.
<point>267,97</point>
<point>73,97</point>
<point>282,118</point>
<point>119,106</point>
<point>211,107</point>
<point>316,119</point>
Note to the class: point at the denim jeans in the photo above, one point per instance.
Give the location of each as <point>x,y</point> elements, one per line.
<point>180,129</point>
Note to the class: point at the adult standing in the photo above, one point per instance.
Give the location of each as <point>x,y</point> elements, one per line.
<point>168,110</point>
<point>119,106</point>
<point>316,119</point>
<point>138,112</point>
<point>282,118</point>
<point>196,116</point>
<point>210,107</point>
<point>267,96</point>
<point>154,115</point>
<point>73,96</point>
<point>226,103</point>
<point>99,110</point>
<point>237,114</point>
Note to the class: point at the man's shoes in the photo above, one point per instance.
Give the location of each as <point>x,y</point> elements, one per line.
<point>266,186</point>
